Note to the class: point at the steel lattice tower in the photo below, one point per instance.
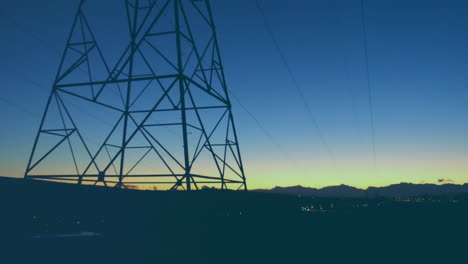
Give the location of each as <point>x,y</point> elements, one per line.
<point>161,115</point>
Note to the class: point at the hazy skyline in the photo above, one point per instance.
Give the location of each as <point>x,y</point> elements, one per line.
<point>418,59</point>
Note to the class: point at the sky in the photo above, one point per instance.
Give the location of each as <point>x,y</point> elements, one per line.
<point>417,58</point>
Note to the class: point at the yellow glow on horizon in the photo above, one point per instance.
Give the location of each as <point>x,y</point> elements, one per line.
<point>357,171</point>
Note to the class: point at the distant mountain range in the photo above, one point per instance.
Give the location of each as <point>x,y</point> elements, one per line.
<point>340,191</point>
<point>392,191</point>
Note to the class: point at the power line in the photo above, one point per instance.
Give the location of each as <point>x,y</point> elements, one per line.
<point>22,29</point>
<point>295,82</point>
<point>45,45</point>
<point>265,131</point>
<point>369,88</point>
<point>23,109</point>
<point>347,76</point>
<point>262,128</point>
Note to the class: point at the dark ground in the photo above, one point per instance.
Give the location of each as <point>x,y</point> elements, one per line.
<point>223,227</point>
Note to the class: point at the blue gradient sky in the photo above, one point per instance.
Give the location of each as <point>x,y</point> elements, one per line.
<point>418,59</point>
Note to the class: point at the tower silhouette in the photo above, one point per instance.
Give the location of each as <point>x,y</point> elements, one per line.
<point>161,115</point>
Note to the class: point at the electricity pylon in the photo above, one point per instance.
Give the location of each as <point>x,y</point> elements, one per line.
<point>160,115</point>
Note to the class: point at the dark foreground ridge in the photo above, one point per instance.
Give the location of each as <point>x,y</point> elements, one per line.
<point>45,222</point>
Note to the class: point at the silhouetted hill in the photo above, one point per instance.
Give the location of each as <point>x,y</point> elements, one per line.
<point>410,189</point>
<point>395,190</point>
<point>339,191</point>
<point>331,191</point>
<point>45,222</point>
